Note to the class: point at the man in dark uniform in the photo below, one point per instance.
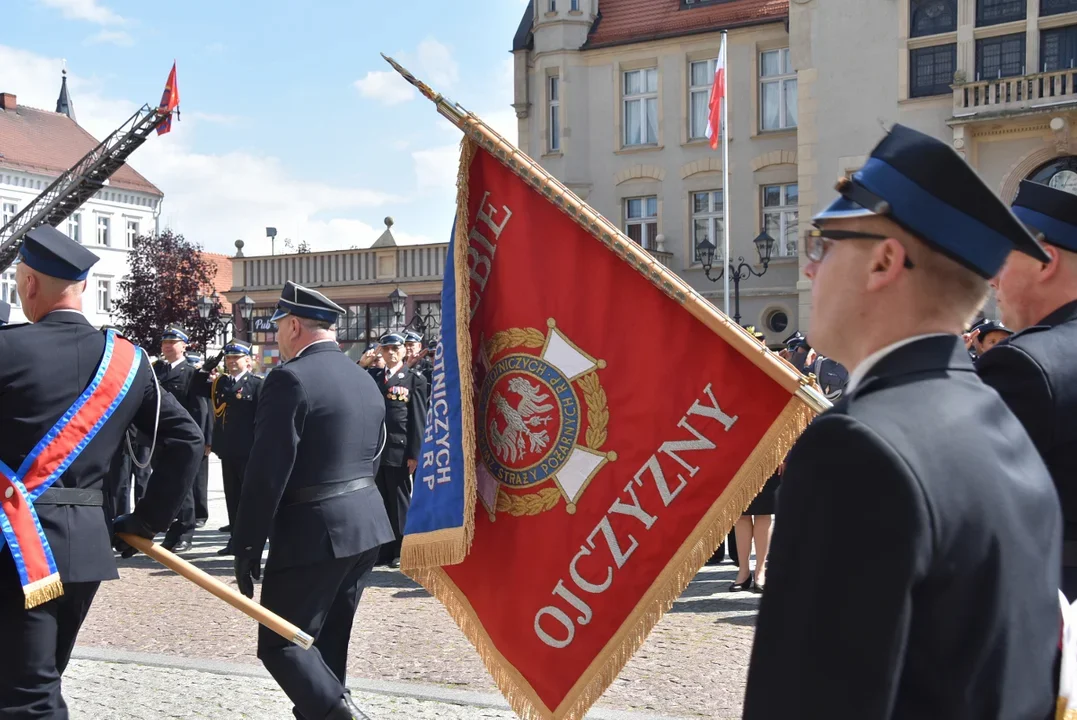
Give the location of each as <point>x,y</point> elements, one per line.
<point>309,488</point>
<point>920,478</point>
<point>201,482</point>
<point>234,399</point>
<point>177,376</point>
<point>46,366</point>
<point>405,394</point>
<point>1035,370</point>
<point>985,335</point>
<point>418,358</point>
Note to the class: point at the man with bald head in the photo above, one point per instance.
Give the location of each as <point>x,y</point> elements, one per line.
<point>920,479</point>
<point>69,393</point>
<point>1035,370</point>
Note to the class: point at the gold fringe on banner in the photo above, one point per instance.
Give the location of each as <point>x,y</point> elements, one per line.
<point>667,587</point>
<point>45,589</point>
<point>451,545</point>
<point>1063,711</point>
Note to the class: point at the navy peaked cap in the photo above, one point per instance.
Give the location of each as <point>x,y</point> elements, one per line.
<point>412,337</point>
<point>1048,211</point>
<point>52,253</point>
<point>391,339</point>
<point>991,326</point>
<point>306,303</point>
<point>237,347</point>
<point>924,186</point>
<point>175,332</point>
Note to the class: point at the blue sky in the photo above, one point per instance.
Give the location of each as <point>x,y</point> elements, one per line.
<point>290,117</point>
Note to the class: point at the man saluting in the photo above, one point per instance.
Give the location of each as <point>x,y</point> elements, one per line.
<point>919,478</point>
<point>309,487</point>
<point>68,393</point>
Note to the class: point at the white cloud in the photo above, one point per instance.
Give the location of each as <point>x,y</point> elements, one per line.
<point>214,118</point>
<point>111,37</point>
<point>437,168</point>
<point>385,86</point>
<point>213,198</point>
<point>88,10</point>
<point>437,63</point>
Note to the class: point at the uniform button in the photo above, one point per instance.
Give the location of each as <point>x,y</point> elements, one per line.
<point>9,492</point>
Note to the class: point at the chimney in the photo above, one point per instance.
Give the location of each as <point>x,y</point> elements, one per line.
<point>7,101</point>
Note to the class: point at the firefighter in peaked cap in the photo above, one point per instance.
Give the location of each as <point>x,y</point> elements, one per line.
<point>920,478</point>
<point>52,365</point>
<point>309,488</point>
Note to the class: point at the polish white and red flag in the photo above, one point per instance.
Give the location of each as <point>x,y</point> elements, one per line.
<point>717,98</point>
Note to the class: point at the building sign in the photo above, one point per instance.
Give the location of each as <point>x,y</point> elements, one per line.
<point>264,324</point>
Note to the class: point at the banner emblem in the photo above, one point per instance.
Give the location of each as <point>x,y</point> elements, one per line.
<point>533,427</point>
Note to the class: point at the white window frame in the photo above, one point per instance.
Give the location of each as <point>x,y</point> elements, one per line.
<point>574,6</point>
<point>105,284</point>
<point>786,76</point>
<point>74,227</point>
<point>107,240</point>
<point>553,115</point>
<point>695,133</point>
<point>8,210</point>
<point>642,99</point>
<point>648,223</point>
<point>129,236</point>
<point>8,291</point>
<point>714,216</point>
<point>786,241</point>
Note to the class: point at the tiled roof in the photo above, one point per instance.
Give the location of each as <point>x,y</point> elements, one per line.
<point>631,21</point>
<point>222,281</point>
<point>45,142</point>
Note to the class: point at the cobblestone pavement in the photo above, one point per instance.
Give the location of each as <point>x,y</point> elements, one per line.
<point>694,663</point>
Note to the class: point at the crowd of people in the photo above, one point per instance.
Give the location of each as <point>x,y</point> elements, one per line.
<point>922,526</point>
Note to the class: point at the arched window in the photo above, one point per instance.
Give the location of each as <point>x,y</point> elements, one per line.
<point>931,17</point>
<point>1060,173</point>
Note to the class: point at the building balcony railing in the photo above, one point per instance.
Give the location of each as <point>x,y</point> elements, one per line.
<point>1012,95</point>
<point>343,267</point>
<point>666,258</point>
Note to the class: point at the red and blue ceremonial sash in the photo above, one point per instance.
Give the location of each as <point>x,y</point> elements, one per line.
<point>50,459</point>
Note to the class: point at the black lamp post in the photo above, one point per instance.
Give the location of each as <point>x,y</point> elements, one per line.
<point>245,307</point>
<point>399,299</point>
<point>764,245</point>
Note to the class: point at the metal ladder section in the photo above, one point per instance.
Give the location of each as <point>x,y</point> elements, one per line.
<point>80,182</point>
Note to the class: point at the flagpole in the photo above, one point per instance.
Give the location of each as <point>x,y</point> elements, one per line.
<point>725,172</point>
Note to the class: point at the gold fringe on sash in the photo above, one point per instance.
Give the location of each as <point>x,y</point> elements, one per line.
<point>451,545</point>
<point>43,590</point>
<point>667,587</point>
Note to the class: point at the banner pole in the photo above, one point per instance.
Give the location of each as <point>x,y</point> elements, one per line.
<point>778,369</point>
<point>726,205</point>
<point>271,620</point>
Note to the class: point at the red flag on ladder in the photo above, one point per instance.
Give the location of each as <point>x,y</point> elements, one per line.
<point>169,101</point>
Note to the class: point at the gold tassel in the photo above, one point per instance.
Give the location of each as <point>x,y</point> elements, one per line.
<point>451,545</point>
<point>1063,712</point>
<point>40,592</point>
<point>667,587</point>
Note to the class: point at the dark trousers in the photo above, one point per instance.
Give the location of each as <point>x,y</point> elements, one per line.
<point>183,526</point>
<point>394,484</point>
<point>232,473</point>
<point>118,483</point>
<point>142,474</point>
<point>320,599</point>
<point>201,491</point>
<point>37,647</point>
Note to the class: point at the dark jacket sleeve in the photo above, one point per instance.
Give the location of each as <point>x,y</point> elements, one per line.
<point>826,637</point>
<point>416,416</point>
<point>179,446</point>
<point>278,426</point>
<point>1021,382</point>
<point>198,406</point>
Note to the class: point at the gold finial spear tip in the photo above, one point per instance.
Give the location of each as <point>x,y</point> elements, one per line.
<point>420,85</point>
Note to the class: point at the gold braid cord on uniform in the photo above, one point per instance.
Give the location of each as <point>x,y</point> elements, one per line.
<point>218,410</point>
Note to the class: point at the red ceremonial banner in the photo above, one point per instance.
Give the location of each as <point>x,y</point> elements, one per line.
<point>617,439</point>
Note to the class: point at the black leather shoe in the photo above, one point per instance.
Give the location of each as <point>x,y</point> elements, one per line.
<point>182,546</point>
<point>200,523</point>
<point>742,586</point>
<point>346,710</point>
<point>169,543</point>
<point>394,563</point>
<point>226,550</point>
<point>226,528</point>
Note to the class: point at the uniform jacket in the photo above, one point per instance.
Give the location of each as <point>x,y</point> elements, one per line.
<point>234,405</point>
<point>318,421</point>
<point>405,396</point>
<point>945,601</point>
<point>181,382</point>
<point>45,366</point>
<point>1035,372</point>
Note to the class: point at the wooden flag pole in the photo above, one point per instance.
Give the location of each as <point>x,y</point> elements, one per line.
<point>211,584</point>
<point>624,247</point>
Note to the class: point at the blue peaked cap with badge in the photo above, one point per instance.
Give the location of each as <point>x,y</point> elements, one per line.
<point>237,347</point>
<point>175,332</point>
<point>391,339</point>
<point>1048,211</point>
<point>412,337</point>
<point>306,303</point>
<point>924,186</point>
<point>52,253</point>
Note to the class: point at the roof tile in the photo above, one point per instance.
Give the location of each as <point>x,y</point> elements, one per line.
<point>625,21</point>
<point>222,281</point>
<point>50,143</point>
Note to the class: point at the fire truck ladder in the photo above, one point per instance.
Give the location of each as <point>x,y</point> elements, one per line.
<point>80,182</point>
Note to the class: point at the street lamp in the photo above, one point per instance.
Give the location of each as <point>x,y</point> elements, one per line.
<point>398,298</point>
<point>245,307</point>
<point>205,306</point>
<point>764,246</point>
